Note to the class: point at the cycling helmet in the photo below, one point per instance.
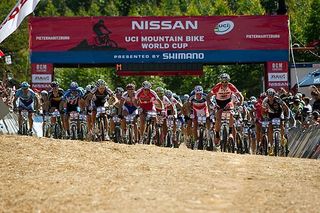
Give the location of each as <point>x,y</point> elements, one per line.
<point>73,86</point>
<point>89,87</point>
<point>54,84</point>
<point>271,92</point>
<point>160,90</point>
<point>198,89</point>
<point>263,95</point>
<point>146,85</point>
<point>224,77</point>
<point>119,90</point>
<point>130,86</point>
<point>253,99</point>
<point>24,85</point>
<point>101,83</point>
<point>185,97</point>
<point>168,93</point>
<point>44,93</point>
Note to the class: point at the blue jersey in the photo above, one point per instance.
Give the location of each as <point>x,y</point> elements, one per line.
<point>72,96</point>
<point>26,97</point>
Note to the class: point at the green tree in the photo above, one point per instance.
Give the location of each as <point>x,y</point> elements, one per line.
<point>312,30</point>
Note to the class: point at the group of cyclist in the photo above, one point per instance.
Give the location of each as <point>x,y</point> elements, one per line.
<point>138,102</point>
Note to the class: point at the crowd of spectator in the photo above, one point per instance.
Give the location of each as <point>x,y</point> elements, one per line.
<point>300,105</point>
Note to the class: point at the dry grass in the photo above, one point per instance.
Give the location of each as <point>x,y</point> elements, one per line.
<point>44,175</point>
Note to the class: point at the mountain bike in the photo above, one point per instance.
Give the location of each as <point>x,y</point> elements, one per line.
<point>263,146</point>
<point>150,127</point>
<point>130,133</point>
<point>226,143</point>
<point>276,122</point>
<point>57,129</point>
<point>100,131</point>
<point>201,133</point>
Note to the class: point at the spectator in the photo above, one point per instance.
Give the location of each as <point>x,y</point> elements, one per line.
<point>316,96</point>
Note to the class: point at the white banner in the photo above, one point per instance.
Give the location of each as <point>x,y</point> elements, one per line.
<point>276,77</point>
<point>41,78</point>
<point>16,16</point>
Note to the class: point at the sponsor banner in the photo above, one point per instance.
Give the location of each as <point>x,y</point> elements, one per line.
<point>42,68</point>
<point>16,16</point>
<point>113,57</point>
<point>159,33</point>
<point>277,66</point>
<point>40,86</point>
<point>41,78</point>
<point>277,77</point>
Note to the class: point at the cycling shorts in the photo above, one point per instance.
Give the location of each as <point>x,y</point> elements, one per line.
<point>132,110</point>
<point>223,104</point>
<point>26,105</point>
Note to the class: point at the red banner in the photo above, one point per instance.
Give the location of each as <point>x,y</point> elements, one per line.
<point>277,75</point>
<point>159,33</point>
<point>41,77</point>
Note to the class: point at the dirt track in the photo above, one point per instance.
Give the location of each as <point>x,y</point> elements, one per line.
<point>39,175</point>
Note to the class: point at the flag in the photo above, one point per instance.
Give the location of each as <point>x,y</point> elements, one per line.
<point>16,16</point>
<point>1,54</point>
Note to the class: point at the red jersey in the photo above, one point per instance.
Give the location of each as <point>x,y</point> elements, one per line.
<point>224,93</point>
<point>146,100</point>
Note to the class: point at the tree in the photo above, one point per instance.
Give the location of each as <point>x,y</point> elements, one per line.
<point>312,30</point>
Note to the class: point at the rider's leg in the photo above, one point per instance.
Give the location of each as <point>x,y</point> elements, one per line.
<point>231,129</point>
<point>93,119</point>
<point>217,126</point>
<point>30,120</point>
<point>257,141</point>
<point>195,128</point>
<point>142,124</point>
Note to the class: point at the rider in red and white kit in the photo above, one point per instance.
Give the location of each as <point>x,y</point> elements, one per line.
<point>224,91</point>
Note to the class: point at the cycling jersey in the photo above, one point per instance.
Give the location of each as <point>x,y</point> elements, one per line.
<point>224,93</point>
<point>99,99</point>
<point>166,104</point>
<point>199,104</point>
<point>72,99</point>
<point>25,99</point>
<point>274,108</point>
<point>55,99</point>
<point>146,100</point>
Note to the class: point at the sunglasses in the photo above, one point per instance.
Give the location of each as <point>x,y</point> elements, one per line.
<point>224,82</point>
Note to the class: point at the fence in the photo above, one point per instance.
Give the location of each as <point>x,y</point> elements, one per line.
<point>304,143</point>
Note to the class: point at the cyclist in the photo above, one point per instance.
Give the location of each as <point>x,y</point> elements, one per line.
<point>101,95</point>
<point>274,107</point>
<point>55,99</point>
<point>166,104</point>
<point>129,108</point>
<point>198,106</point>
<point>224,91</point>
<point>71,102</point>
<point>117,110</point>
<point>27,101</point>
<point>173,110</point>
<point>87,97</point>
<point>146,98</point>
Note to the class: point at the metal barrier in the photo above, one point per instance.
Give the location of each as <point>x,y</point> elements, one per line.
<point>9,124</point>
<point>304,143</point>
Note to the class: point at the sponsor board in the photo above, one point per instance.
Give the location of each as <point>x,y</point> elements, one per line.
<point>276,77</point>
<point>42,68</point>
<point>41,78</point>
<point>64,40</point>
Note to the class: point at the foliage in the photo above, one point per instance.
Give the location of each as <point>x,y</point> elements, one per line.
<point>304,22</point>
